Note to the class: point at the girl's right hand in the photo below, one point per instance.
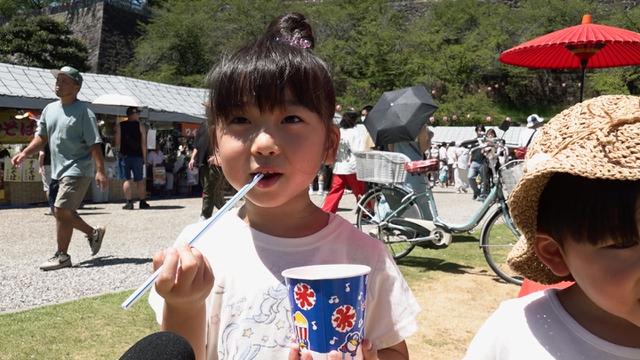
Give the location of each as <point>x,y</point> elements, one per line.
<point>186,278</point>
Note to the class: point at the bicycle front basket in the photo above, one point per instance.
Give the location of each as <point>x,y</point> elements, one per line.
<point>381,166</point>
<point>511,173</point>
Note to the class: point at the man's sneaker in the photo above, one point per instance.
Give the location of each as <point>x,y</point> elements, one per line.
<point>58,261</point>
<point>95,241</point>
<point>128,206</point>
<point>144,205</point>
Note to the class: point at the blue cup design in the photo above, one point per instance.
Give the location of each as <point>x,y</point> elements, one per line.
<point>328,306</point>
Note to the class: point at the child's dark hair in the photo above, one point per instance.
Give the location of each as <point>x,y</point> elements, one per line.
<point>291,27</point>
<point>592,211</point>
<point>278,69</point>
<point>349,119</point>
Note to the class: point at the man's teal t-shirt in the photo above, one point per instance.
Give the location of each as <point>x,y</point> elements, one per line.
<point>71,130</point>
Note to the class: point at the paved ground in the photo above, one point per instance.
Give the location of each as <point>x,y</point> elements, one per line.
<point>28,237</point>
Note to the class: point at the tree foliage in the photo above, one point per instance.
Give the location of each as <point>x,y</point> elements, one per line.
<point>372,46</point>
<point>12,7</point>
<point>41,42</point>
<point>185,38</point>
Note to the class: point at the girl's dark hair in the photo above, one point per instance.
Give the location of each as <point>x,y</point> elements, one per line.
<point>290,26</point>
<point>271,72</point>
<point>491,131</point>
<point>592,211</point>
<point>349,119</point>
<point>480,127</point>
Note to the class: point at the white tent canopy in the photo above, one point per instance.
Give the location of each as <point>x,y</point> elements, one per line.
<point>33,88</point>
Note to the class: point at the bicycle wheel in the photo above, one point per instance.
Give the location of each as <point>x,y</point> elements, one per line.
<point>373,209</point>
<point>497,240</point>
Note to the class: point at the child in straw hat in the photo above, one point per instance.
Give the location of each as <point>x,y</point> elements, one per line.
<point>578,207</point>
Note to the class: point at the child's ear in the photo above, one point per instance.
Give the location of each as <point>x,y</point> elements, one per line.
<point>551,254</point>
<point>332,144</point>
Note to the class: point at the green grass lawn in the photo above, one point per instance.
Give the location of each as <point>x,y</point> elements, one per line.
<point>98,328</point>
<point>463,254</point>
<point>90,328</point>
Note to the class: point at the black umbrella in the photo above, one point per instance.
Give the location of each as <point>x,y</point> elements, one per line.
<point>399,115</point>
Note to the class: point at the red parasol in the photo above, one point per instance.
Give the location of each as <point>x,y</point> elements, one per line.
<point>585,46</point>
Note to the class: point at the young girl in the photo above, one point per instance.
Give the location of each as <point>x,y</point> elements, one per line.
<point>344,166</point>
<point>271,109</point>
<point>444,169</point>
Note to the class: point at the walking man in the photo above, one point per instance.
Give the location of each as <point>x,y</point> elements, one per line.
<point>131,140</point>
<point>71,130</point>
<point>210,175</point>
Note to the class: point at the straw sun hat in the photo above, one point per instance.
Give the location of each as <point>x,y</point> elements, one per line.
<point>598,139</point>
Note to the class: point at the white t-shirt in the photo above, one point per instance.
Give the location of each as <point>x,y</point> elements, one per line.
<point>351,140</point>
<point>249,315</point>
<point>443,153</point>
<point>538,327</point>
<point>463,157</point>
<point>451,154</point>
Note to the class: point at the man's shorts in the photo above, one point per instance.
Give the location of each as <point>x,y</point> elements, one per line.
<point>69,191</point>
<point>130,164</point>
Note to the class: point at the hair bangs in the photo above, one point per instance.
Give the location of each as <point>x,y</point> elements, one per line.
<point>593,211</point>
<point>270,76</point>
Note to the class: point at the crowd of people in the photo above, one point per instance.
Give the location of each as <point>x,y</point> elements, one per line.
<point>577,208</point>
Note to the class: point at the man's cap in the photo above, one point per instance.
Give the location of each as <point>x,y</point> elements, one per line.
<point>70,72</point>
<point>597,139</point>
<point>534,120</point>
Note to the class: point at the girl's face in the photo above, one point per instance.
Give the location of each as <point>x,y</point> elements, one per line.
<point>287,145</point>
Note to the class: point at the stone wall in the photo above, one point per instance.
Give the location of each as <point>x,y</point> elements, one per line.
<point>86,24</point>
<point>119,32</point>
<point>108,30</point>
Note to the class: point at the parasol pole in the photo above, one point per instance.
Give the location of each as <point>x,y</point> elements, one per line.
<point>583,64</point>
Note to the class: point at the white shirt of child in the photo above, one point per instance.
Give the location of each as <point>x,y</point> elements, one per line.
<point>538,327</point>
<point>249,315</point>
<point>351,140</point>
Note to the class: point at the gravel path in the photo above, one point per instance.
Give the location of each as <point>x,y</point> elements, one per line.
<point>27,238</point>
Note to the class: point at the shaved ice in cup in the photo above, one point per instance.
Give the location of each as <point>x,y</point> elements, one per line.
<point>328,307</point>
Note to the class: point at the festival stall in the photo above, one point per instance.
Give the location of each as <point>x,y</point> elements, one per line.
<point>170,113</point>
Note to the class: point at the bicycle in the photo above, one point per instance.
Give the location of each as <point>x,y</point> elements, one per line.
<point>393,213</point>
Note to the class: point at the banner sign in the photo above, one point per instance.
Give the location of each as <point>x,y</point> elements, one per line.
<point>189,129</point>
<point>11,173</point>
<point>30,170</point>
<point>16,131</point>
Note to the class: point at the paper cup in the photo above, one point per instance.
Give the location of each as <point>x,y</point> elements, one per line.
<point>328,306</point>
